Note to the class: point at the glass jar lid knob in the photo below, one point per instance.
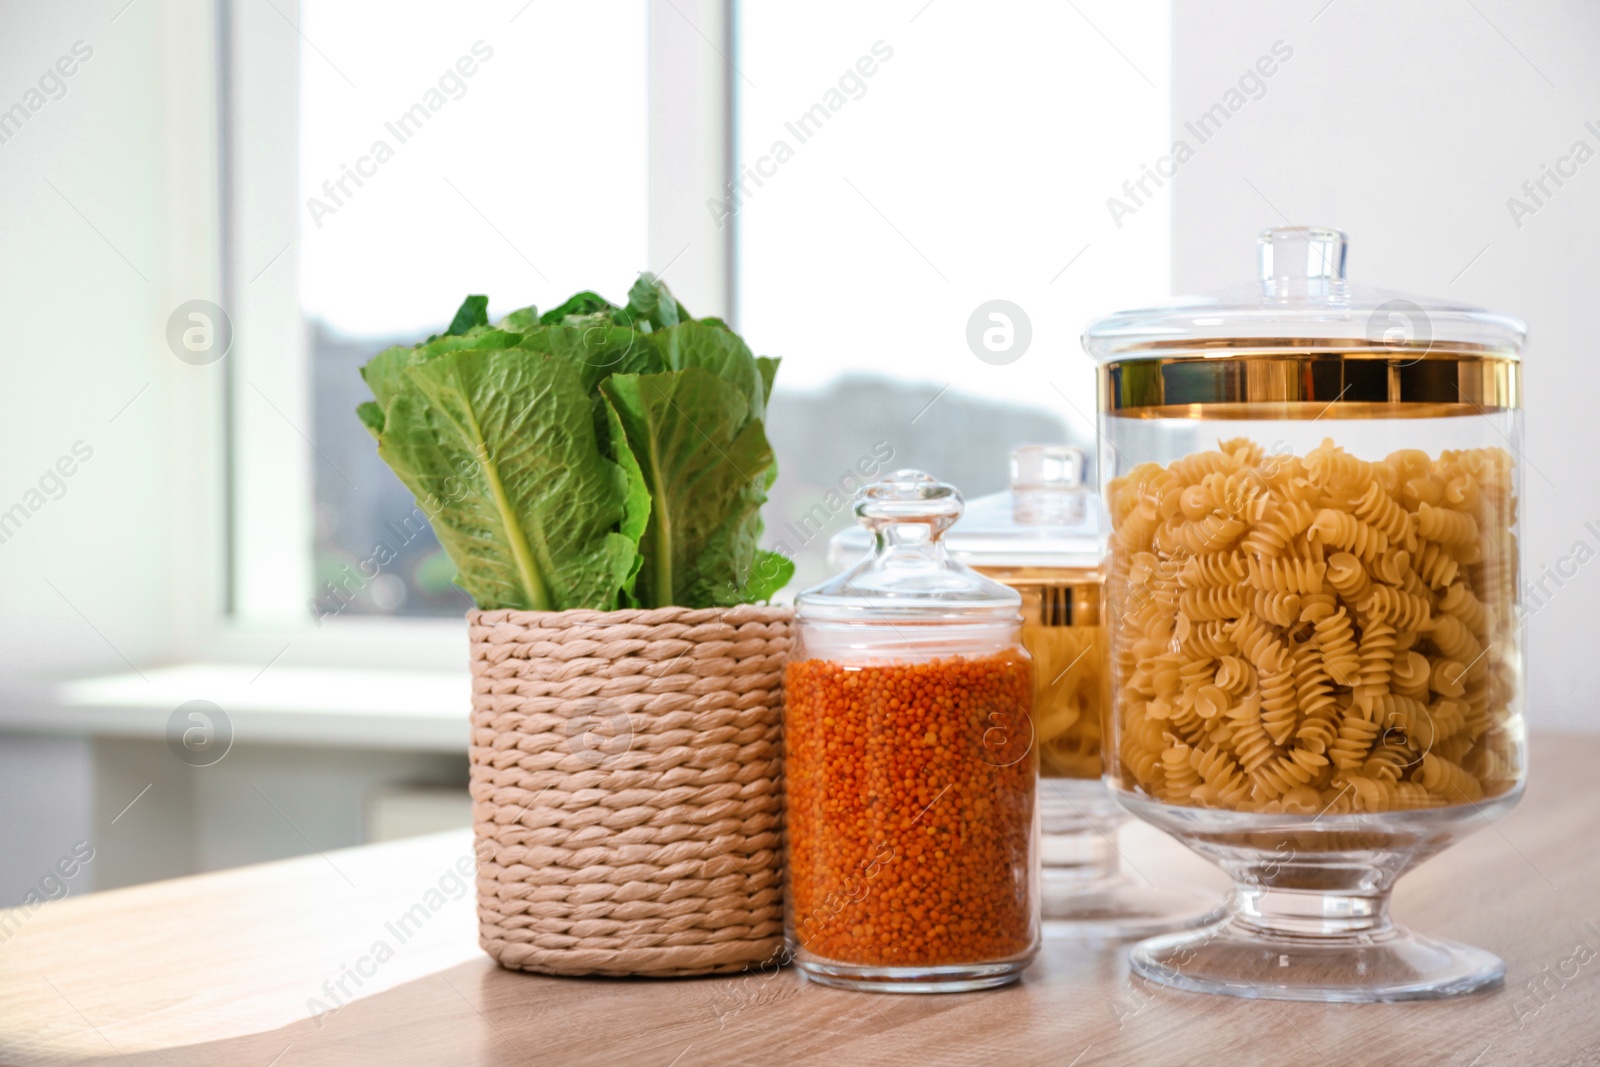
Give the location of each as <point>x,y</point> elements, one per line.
<point>909,574</point>
<point>1045,467</point>
<point>1302,261</point>
<point>908,507</point>
<point>1047,485</point>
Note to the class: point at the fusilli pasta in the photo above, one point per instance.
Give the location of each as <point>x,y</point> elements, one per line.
<point>1325,633</point>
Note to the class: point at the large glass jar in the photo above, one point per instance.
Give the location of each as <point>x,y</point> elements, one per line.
<point>909,764</point>
<point>1042,537</point>
<point>1316,672</point>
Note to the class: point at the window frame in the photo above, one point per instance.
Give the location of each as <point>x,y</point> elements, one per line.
<point>259,506</point>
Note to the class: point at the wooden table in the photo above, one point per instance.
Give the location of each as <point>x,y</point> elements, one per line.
<point>228,968</point>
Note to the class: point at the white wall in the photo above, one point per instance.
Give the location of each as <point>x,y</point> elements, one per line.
<point>78,323</point>
<point>88,268</point>
<point>154,817</point>
<point>1408,126</point>
<point>45,795</point>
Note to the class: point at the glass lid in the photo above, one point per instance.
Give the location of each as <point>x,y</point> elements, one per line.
<point>908,574</point>
<point>1302,300</point>
<point>1048,518</point>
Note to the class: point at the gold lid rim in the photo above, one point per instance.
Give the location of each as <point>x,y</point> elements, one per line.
<point>1341,384</point>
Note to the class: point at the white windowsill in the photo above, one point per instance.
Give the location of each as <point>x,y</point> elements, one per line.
<point>297,705</point>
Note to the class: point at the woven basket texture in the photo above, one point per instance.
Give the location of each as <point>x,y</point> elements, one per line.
<point>627,788</point>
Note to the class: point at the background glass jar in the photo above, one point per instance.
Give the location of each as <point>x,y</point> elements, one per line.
<point>1316,671</point>
<point>909,767</point>
<point>1042,538</point>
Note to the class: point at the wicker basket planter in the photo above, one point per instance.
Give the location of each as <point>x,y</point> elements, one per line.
<point>627,787</point>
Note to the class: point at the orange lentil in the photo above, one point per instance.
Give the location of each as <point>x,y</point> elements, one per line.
<point>910,793</point>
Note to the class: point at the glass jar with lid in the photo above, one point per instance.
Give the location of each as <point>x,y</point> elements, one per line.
<point>1042,537</point>
<point>1312,611</point>
<point>909,765</point>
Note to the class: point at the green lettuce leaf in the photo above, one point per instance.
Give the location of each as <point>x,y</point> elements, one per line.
<point>768,367</point>
<point>770,572</point>
<point>585,303</point>
<point>650,301</point>
<point>636,504</point>
<point>526,505</point>
<point>385,375</point>
<point>706,464</point>
<point>474,311</point>
<point>596,351</point>
<point>718,350</point>
<point>521,320</point>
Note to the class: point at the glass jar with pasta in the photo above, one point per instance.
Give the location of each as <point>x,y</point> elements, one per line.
<point>1312,611</point>
<point>1042,537</point>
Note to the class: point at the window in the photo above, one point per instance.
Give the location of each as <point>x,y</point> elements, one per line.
<point>487,190</point>
<point>431,151</point>
<point>386,160</point>
<point>903,166</point>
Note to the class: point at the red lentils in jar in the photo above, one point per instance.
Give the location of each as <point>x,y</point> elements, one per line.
<point>910,766</point>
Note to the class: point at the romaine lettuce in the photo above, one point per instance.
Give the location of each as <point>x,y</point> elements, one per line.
<point>595,456</point>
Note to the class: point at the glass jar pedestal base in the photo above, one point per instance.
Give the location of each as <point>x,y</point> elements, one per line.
<point>955,978</point>
<point>1121,911</point>
<point>1359,958</point>
<point>1308,918</point>
<point>1084,892</point>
